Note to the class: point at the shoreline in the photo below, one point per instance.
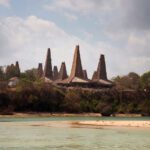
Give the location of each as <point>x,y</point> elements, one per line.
<point>34,114</point>
<point>78,123</point>
<point>41,114</point>
<point>82,124</point>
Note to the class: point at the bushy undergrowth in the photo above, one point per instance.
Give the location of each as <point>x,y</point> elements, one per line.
<point>39,97</point>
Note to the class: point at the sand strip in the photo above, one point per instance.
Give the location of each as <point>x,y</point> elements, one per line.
<point>82,124</point>
<point>144,124</point>
<point>32,114</point>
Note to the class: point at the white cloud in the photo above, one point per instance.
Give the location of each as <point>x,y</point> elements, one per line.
<point>82,6</point>
<point>138,44</point>
<point>70,16</point>
<point>140,62</point>
<point>70,5</point>
<point>126,25</point>
<point>27,40</point>
<point>5,3</point>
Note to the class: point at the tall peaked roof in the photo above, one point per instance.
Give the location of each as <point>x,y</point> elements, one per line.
<point>76,70</point>
<point>94,77</point>
<point>100,75</point>
<point>55,73</point>
<point>63,72</point>
<point>85,74</point>
<point>17,69</point>
<point>48,66</point>
<point>101,69</point>
<point>40,70</point>
<point>12,65</point>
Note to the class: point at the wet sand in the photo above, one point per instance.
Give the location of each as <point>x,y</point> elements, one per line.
<point>81,124</point>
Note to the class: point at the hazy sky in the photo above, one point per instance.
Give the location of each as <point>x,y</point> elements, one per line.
<point>120,29</point>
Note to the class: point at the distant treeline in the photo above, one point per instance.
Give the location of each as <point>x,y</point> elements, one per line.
<point>130,95</point>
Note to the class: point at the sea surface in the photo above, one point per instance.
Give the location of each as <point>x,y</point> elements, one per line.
<point>17,134</point>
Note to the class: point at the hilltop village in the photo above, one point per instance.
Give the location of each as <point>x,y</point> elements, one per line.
<point>47,89</point>
<point>78,76</point>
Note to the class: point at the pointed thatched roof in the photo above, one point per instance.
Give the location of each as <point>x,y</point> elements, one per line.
<point>55,73</point>
<point>40,70</point>
<point>48,66</point>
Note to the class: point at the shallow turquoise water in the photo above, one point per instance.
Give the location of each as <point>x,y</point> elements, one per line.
<point>71,118</point>
<point>26,137</point>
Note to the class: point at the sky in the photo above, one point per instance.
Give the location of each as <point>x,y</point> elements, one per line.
<point>119,29</point>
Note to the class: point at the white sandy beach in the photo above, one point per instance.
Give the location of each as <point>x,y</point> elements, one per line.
<point>144,124</point>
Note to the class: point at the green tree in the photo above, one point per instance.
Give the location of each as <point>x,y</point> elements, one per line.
<point>30,74</point>
<point>145,107</point>
<point>145,79</point>
<point>4,100</point>
<point>105,109</point>
<point>72,101</point>
<point>130,81</point>
<point>11,71</point>
<point>2,75</point>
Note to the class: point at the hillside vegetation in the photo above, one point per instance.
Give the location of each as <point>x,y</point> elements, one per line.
<point>130,95</point>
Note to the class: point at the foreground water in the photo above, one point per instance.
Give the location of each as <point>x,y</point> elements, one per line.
<point>16,134</point>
